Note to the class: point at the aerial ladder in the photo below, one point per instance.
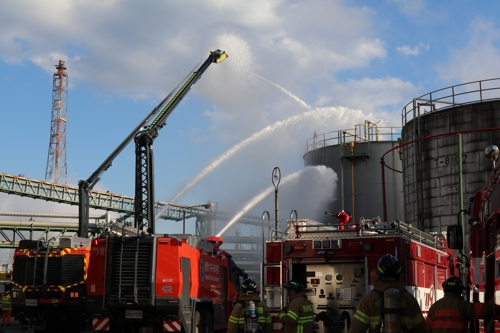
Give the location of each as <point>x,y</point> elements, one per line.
<point>144,135</point>
<point>47,276</point>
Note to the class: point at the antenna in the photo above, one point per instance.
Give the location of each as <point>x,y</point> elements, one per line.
<point>56,170</point>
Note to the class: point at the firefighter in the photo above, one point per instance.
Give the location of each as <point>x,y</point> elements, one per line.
<point>6,310</point>
<point>298,315</point>
<point>370,313</point>
<point>344,218</point>
<point>452,313</point>
<point>250,314</point>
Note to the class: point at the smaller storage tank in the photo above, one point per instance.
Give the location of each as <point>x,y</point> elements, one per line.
<point>354,154</point>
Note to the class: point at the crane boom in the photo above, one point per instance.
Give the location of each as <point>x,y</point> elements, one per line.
<point>144,171</point>
<point>84,186</point>
<point>142,130</point>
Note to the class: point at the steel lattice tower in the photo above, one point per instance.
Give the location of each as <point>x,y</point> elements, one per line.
<point>56,170</point>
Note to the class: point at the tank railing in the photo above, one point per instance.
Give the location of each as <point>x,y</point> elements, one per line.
<point>429,106</point>
<point>344,136</point>
<point>465,93</point>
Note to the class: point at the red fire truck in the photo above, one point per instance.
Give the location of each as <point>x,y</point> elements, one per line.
<point>168,283</point>
<point>483,231</point>
<point>134,281</point>
<point>49,284</point>
<point>125,283</point>
<point>338,267</point>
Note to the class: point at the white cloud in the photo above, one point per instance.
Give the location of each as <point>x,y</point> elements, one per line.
<point>259,14</point>
<point>370,49</point>
<point>477,59</point>
<point>380,99</point>
<point>407,50</point>
<point>110,45</point>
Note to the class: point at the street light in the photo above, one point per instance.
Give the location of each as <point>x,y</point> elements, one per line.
<point>185,208</point>
<point>276,178</point>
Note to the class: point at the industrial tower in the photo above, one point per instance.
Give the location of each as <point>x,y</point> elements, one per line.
<point>56,170</point>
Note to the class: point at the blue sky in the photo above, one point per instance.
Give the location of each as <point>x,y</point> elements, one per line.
<point>330,64</point>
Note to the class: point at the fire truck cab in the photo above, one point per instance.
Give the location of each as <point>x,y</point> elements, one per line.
<point>338,267</point>
<point>48,284</point>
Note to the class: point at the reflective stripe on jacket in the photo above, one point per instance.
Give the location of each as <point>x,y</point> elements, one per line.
<point>299,316</point>
<point>237,317</point>
<point>369,314</point>
<point>6,306</point>
<point>452,314</point>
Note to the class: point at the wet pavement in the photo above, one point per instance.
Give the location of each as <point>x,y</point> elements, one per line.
<point>15,327</point>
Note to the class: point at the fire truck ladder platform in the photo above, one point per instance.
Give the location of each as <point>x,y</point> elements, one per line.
<point>312,230</point>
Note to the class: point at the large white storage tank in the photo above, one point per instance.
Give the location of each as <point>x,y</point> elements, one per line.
<point>355,155</point>
<point>440,130</point>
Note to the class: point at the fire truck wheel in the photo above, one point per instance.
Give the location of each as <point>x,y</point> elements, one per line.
<point>204,325</point>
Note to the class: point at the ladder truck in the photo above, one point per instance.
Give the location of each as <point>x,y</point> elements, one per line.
<point>337,266</point>
<point>52,281</point>
<point>161,283</point>
<point>482,237</point>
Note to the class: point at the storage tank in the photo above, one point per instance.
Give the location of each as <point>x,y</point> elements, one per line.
<point>354,154</point>
<point>444,131</point>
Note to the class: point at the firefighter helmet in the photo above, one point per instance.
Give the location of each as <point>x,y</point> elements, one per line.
<point>295,285</point>
<point>454,285</point>
<point>388,268</point>
<point>249,286</point>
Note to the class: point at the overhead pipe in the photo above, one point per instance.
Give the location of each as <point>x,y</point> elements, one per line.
<point>52,215</point>
<point>352,180</point>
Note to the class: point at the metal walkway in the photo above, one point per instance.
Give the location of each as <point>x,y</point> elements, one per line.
<point>107,201</point>
<point>11,231</point>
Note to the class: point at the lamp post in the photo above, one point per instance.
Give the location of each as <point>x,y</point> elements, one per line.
<point>185,208</point>
<point>276,178</point>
